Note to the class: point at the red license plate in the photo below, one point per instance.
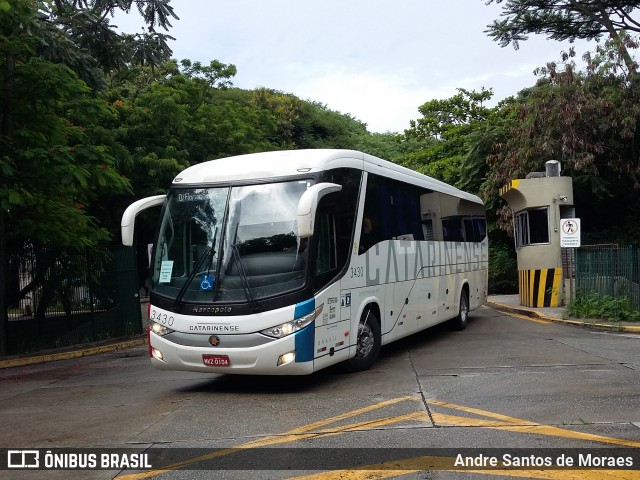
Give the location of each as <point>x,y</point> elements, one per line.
<point>216,360</point>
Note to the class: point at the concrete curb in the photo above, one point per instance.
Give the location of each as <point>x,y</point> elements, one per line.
<point>82,351</point>
<point>578,323</point>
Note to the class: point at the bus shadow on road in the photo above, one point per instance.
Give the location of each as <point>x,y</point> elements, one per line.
<point>423,339</point>
<point>318,381</point>
<point>266,384</point>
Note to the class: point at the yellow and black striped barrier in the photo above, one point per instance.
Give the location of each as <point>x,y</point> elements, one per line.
<point>540,288</point>
<point>513,184</point>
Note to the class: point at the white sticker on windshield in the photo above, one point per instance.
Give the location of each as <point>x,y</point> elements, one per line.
<point>165,271</point>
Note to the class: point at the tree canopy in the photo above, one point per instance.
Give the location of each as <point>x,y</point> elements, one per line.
<point>441,134</point>
<point>57,154</point>
<point>564,20</point>
<point>79,34</point>
<point>50,132</point>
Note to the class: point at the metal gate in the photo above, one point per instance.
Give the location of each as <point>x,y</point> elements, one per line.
<point>610,270</point>
<point>63,297</point>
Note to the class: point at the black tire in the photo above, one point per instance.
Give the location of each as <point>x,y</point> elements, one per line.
<point>368,343</point>
<point>460,322</point>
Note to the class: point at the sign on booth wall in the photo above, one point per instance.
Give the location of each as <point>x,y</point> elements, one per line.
<point>570,232</point>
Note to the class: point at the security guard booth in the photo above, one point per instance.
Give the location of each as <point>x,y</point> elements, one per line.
<point>538,203</point>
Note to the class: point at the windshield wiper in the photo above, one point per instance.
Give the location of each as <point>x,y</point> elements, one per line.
<point>207,255</point>
<point>253,304</point>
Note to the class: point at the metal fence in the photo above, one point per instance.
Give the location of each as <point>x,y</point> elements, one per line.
<point>63,297</point>
<point>611,270</point>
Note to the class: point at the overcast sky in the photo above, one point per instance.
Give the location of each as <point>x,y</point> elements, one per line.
<point>378,60</point>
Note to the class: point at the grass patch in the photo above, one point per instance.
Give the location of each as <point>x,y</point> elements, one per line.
<point>595,305</point>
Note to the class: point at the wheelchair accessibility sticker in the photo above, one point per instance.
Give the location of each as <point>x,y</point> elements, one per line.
<point>206,282</point>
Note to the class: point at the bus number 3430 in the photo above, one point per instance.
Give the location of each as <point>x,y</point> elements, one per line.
<point>357,272</point>
<point>161,318</point>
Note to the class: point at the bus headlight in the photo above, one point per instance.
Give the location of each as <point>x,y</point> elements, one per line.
<point>280,331</point>
<point>159,329</point>
<point>157,354</point>
<point>286,358</point>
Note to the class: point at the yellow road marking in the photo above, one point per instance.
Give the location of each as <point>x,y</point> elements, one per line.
<point>296,434</point>
<point>525,317</point>
<point>384,470</point>
<point>402,467</point>
<point>563,474</point>
<point>478,411</point>
<point>418,464</point>
<point>564,433</point>
<point>519,425</point>
<point>442,418</point>
<point>532,428</point>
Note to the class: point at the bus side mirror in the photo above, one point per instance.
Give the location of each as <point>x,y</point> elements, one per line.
<point>308,205</point>
<point>127,225</point>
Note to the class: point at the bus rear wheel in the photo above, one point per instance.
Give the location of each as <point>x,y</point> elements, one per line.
<point>460,322</point>
<point>368,343</point>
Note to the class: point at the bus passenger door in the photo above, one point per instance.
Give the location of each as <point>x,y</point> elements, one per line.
<point>333,325</point>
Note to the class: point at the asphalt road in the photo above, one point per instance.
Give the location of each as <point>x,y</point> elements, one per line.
<point>504,386</point>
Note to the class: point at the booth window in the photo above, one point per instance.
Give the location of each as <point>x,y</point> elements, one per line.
<point>532,227</point>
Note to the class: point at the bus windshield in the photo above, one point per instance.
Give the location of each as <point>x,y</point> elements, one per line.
<point>230,244</point>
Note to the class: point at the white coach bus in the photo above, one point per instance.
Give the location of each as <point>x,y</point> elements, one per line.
<point>283,263</point>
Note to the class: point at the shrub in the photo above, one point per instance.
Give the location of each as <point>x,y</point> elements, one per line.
<point>503,269</point>
<point>595,305</point>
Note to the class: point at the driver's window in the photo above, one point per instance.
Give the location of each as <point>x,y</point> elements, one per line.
<point>326,258</point>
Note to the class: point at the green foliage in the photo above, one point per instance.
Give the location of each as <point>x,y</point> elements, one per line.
<point>480,143</point>
<point>56,158</point>
<point>442,134</point>
<point>319,127</point>
<point>189,113</point>
<point>61,159</point>
<point>595,305</point>
<point>390,146</point>
<point>503,268</point>
<point>79,34</point>
<point>441,118</point>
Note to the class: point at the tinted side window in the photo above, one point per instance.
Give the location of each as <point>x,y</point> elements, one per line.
<point>406,211</point>
<point>377,218</point>
<point>392,211</point>
<point>462,220</point>
<point>532,227</point>
<point>397,210</point>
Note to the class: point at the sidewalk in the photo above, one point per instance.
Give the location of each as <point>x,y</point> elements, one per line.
<point>511,304</point>
<point>71,352</point>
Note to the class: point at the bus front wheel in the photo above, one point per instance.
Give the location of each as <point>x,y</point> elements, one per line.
<point>368,343</point>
